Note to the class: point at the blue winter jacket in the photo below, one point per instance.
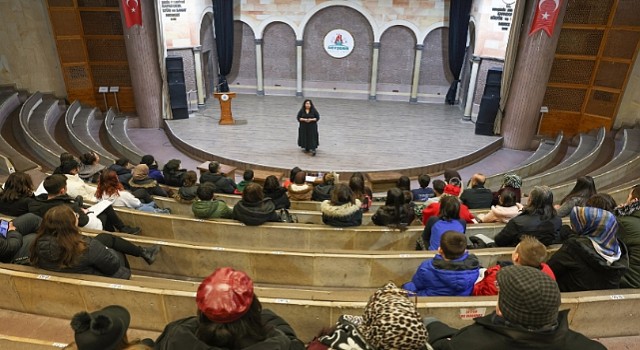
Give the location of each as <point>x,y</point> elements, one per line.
<point>437,277</point>
<point>156,175</point>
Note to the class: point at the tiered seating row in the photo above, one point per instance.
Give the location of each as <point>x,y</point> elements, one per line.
<point>77,121</point>
<point>12,159</point>
<point>117,134</point>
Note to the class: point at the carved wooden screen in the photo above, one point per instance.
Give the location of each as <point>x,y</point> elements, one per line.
<point>92,52</point>
<point>598,44</point>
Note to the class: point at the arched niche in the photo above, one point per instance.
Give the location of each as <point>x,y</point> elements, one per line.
<point>465,75</point>
<point>395,64</point>
<point>243,72</point>
<point>279,59</point>
<point>209,54</point>
<point>435,75</point>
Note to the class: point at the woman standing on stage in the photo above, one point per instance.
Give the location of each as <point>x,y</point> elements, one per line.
<point>308,117</point>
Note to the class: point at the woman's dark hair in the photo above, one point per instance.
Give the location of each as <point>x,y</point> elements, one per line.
<point>65,157</point>
<point>450,173</point>
<point>342,194</point>
<point>507,198</point>
<point>540,203</point>
<point>449,208</point>
<point>239,334</point>
<point>108,184</point>
<point>584,188</point>
<point>312,109</point>
<point>356,184</point>
<point>190,178</point>
<point>603,201</point>
<point>88,158</point>
<point>18,185</point>
<point>60,223</point>
<point>172,165</point>
<point>252,193</point>
<point>404,183</point>
<point>271,183</point>
<point>293,172</point>
<point>396,200</point>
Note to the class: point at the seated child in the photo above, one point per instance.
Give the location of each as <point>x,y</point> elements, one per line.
<point>423,193</point>
<point>206,207</point>
<point>507,209</point>
<point>187,192</point>
<point>452,272</point>
<point>247,177</point>
<point>529,252</point>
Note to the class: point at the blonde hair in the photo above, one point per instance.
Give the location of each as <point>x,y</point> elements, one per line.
<point>531,252</point>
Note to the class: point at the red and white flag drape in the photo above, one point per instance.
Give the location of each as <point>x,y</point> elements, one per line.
<point>132,12</point>
<point>546,16</point>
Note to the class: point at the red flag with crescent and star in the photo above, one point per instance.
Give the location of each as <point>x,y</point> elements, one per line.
<point>546,16</point>
<point>132,12</point>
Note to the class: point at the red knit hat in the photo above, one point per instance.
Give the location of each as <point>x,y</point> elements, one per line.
<point>225,295</point>
<point>452,190</point>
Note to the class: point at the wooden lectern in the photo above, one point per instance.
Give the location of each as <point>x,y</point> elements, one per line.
<point>226,116</point>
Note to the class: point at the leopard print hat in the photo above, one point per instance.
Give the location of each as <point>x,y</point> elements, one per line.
<point>389,311</point>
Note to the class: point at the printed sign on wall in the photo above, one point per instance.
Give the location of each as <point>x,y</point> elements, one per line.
<point>338,43</point>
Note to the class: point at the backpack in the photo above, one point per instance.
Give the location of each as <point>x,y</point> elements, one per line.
<point>285,216</point>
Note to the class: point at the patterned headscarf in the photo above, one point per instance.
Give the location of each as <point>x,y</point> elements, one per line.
<point>600,226</point>
<point>512,180</point>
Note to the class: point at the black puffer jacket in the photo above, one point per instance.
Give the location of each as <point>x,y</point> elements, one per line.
<point>321,193</point>
<point>147,184</point>
<point>279,198</point>
<point>578,267</point>
<point>222,183</point>
<point>95,260</point>
<point>386,216</point>
<point>345,215</point>
<point>254,214</point>
<point>546,232</point>
<point>41,205</point>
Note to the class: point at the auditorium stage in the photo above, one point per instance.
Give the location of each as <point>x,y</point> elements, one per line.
<point>354,135</point>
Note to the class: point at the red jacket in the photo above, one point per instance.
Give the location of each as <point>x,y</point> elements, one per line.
<point>488,284</point>
<point>434,208</point>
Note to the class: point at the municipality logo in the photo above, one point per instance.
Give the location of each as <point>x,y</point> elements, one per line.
<point>338,43</point>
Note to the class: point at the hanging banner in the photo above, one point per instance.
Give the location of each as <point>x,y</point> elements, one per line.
<point>546,16</point>
<point>132,12</point>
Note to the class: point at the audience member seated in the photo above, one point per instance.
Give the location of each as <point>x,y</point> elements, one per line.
<point>142,186</point>
<point>123,168</point>
<point>538,219</point>
<point>154,172</point>
<point>529,252</point>
<point>105,329</point>
<point>343,209</point>
<point>187,192</point>
<point>292,176</point>
<point>448,219</point>
<point>450,174</point>
<point>628,215</point>
<point>208,207</point>
<point>247,177</point>
<point>222,183</point>
<point>64,157</point>
<point>299,190</point>
<point>581,192</point>
<point>404,183</point>
<point>75,185</point>
<point>394,213</point>
<point>17,194</point>
<point>476,196</point>
<point>434,208</point>
<point>110,189</point>
<point>506,209</point>
<point>277,193</point>
<point>322,192</point>
<point>229,316</point>
<point>390,321</point>
<point>526,317</point>
<point>451,272</point>
<point>60,247</point>
<point>423,193</point>
<point>173,175</point>
<point>90,167</point>
<point>511,182</point>
<point>360,191</point>
<point>253,209</point>
<point>438,191</point>
<point>56,187</point>
<point>15,244</point>
<point>593,258</point>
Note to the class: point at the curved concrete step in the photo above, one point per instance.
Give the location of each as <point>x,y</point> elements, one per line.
<point>77,121</point>
<point>38,117</point>
<point>119,139</point>
<point>13,160</point>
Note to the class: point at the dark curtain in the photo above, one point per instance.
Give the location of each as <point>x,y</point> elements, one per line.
<point>459,12</point>
<point>223,25</point>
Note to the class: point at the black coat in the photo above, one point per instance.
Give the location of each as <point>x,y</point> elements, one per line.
<point>279,198</point>
<point>149,185</point>
<point>487,333</point>
<point>546,232</point>
<point>181,334</point>
<point>477,198</point>
<point>578,267</point>
<point>16,208</point>
<point>124,174</point>
<point>188,193</point>
<point>386,216</point>
<point>308,132</point>
<point>174,177</point>
<point>222,183</point>
<point>254,214</point>
<point>41,205</point>
<point>321,192</point>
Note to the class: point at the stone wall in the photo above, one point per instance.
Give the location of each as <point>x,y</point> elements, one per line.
<point>629,112</point>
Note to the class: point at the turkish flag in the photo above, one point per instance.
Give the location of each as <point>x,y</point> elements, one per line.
<point>132,12</point>
<point>546,16</point>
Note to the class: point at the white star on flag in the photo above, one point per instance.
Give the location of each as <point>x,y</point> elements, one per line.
<point>133,9</point>
<point>545,15</point>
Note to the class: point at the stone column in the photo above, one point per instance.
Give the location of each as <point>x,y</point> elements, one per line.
<point>259,70</point>
<point>529,81</point>
<point>197,61</point>
<point>142,55</point>
<point>416,74</point>
<point>374,71</point>
<point>471,93</point>
<point>299,67</point>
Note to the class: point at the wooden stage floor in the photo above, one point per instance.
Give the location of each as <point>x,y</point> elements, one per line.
<point>354,135</point>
